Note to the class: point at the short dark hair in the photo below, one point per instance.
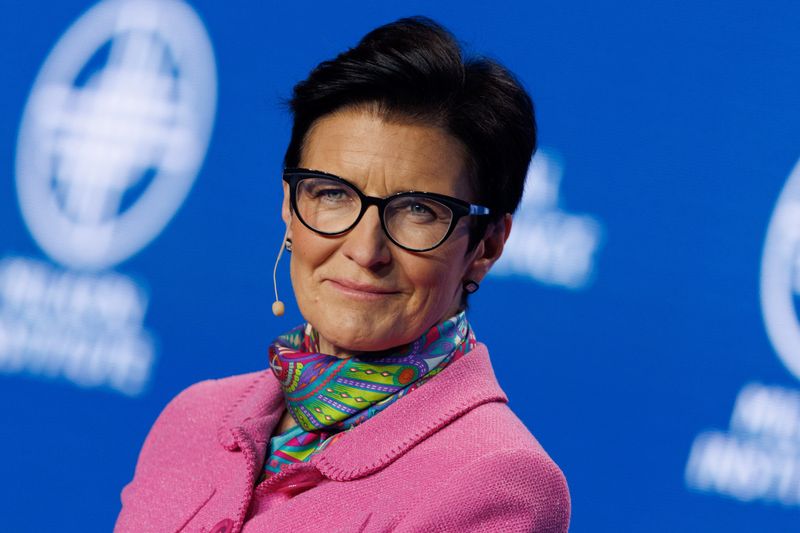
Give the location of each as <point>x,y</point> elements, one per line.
<point>414,69</point>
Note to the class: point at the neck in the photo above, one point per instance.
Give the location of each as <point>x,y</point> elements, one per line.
<point>330,349</point>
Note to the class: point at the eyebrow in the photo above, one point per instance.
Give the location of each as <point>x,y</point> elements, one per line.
<point>389,193</point>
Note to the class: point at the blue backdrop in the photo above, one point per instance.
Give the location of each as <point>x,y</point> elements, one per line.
<point>660,381</point>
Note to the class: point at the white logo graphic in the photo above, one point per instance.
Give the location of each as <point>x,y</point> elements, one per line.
<point>115,130</point>
<point>780,275</point>
<point>546,243</point>
<point>113,135</point>
<point>84,327</point>
<point>758,457</point>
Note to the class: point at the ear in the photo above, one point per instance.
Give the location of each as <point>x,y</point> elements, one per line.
<point>286,207</point>
<point>489,249</point>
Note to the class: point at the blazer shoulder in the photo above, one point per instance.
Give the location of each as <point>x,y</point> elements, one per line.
<point>211,391</point>
<point>508,489</point>
<point>198,409</point>
<point>211,396</point>
<point>510,441</point>
<point>500,440</point>
<point>506,481</point>
<point>182,438</point>
<point>530,485</point>
<point>492,426</point>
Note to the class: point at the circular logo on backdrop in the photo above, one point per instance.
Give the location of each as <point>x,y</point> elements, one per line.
<point>115,130</point>
<point>780,275</point>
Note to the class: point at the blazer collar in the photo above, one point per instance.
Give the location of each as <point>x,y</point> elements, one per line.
<point>372,445</point>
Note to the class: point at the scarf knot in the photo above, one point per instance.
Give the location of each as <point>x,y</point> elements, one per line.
<point>327,395</point>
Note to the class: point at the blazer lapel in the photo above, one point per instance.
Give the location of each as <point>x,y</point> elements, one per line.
<point>378,441</point>
<point>253,415</point>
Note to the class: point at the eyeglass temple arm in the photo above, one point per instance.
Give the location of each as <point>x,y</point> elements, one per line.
<point>478,210</point>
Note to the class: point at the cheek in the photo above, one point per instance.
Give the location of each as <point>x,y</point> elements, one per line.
<point>445,269</point>
<point>434,280</point>
<point>309,252</point>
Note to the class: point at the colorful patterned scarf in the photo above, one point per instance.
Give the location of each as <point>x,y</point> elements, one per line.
<point>327,395</point>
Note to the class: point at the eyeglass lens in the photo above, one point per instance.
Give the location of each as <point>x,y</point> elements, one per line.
<point>329,206</point>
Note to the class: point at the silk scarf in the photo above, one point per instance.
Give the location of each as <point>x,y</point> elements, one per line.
<point>327,395</point>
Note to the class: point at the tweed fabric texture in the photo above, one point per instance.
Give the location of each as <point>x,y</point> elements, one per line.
<point>451,457</point>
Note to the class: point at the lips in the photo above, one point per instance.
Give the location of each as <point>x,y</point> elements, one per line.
<point>356,288</point>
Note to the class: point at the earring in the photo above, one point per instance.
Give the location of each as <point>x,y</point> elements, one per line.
<point>289,245</point>
<point>471,286</point>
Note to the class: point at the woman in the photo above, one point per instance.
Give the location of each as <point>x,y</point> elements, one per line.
<point>382,412</point>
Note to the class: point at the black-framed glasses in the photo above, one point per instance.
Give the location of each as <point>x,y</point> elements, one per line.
<point>416,221</point>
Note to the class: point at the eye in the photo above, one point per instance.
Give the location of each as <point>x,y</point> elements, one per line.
<point>331,194</point>
<point>325,192</point>
<point>416,208</point>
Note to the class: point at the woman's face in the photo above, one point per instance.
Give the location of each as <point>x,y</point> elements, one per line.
<point>359,290</point>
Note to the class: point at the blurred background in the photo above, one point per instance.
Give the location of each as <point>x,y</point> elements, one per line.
<point>654,267</point>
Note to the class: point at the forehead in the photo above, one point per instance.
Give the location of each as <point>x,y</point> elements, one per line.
<point>383,157</point>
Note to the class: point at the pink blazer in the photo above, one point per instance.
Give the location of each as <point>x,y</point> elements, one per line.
<point>450,456</point>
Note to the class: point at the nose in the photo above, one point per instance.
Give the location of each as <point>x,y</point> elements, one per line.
<point>367,244</point>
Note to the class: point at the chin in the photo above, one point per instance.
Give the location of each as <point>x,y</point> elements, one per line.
<point>362,340</point>
<point>358,332</point>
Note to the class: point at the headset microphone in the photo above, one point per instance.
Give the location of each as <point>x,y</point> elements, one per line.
<point>277,306</point>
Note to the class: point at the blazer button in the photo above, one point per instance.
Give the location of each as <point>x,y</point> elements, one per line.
<point>225,526</point>
<point>300,482</point>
